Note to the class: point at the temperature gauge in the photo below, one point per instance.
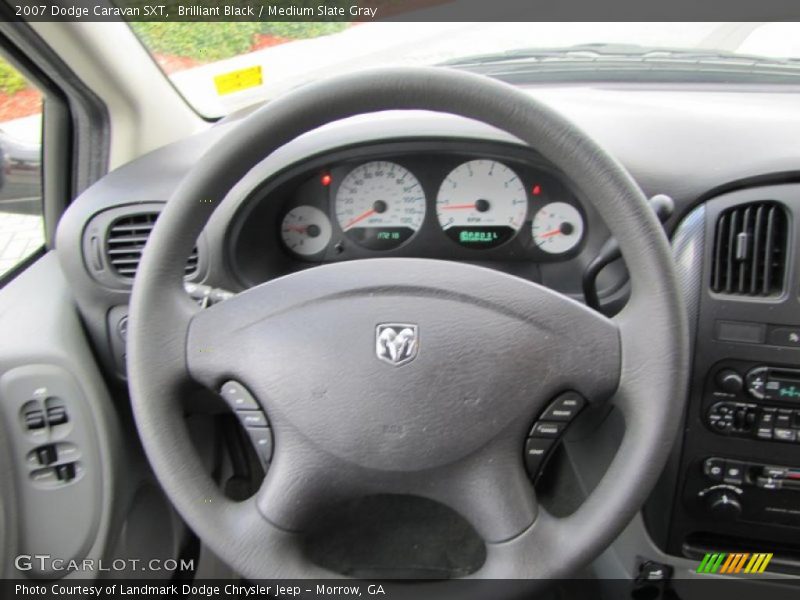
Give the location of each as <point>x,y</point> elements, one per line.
<point>306,230</point>
<point>557,227</point>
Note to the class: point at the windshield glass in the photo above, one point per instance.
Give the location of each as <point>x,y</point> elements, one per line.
<point>223,66</point>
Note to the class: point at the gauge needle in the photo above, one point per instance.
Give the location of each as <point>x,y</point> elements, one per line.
<point>550,233</point>
<point>296,228</point>
<point>458,206</point>
<point>360,217</point>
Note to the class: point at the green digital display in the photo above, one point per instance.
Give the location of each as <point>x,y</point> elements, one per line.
<point>789,392</point>
<point>471,236</point>
<point>388,235</point>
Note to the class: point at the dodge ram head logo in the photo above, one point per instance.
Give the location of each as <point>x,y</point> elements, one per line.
<point>396,343</point>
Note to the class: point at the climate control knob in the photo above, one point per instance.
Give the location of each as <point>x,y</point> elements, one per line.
<point>723,504</point>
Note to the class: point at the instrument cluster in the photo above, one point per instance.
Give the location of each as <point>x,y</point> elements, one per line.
<point>500,205</point>
<point>429,205</point>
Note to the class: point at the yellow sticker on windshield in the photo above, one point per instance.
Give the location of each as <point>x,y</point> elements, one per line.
<point>236,81</point>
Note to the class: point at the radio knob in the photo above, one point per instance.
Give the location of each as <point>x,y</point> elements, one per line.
<point>730,381</point>
<point>723,504</point>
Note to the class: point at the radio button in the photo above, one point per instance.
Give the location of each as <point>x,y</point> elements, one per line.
<point>768,483</point>
<point>785,336</point>
<point>774,472</point>
<point>734,472</point>
<point>764,433</point>
<point>785,435</point>
<point>714,468</point>
<point>756,381</point>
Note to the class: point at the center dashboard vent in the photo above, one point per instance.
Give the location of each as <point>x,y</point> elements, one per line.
<point>750,250</point>
<point>125,242</point>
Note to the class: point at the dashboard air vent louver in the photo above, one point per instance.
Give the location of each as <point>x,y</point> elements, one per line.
<point>749,255</point>
<point>125,242</point>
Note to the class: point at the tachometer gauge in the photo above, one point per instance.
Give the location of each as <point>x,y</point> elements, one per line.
<point>481,204</point>
<point>557,227</point>
<point>380,205</point>
<point>306,230</point>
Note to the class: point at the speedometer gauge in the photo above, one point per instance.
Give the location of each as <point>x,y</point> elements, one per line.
<point>481,204</point>
<point>557,227</point>
<point>380,205</point>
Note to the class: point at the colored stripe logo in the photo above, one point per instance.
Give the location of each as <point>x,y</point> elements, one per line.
<point>734,562</point>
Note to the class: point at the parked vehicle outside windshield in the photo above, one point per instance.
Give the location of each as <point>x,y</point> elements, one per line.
<point>263,60</point>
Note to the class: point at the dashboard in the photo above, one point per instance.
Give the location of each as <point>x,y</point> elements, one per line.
<point>418,184</point>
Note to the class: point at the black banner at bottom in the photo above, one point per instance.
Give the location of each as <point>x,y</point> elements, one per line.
<point>703,588</point>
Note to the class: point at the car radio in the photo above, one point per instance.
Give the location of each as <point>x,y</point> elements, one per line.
<point>759,401</point>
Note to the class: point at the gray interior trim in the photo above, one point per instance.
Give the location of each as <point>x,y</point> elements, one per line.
<point>47,331</point>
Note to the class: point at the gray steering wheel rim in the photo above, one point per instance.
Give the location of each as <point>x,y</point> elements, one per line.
<point>653,326</point>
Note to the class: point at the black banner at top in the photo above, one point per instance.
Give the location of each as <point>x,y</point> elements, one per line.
<point>402,10</point>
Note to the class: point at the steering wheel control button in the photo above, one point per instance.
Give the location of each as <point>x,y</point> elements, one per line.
<point>564,408</point>
<point>237,396</point>
<point>545,429</point>
<point>262,442</point>
<point>536,450</point>
<point>252,418</point>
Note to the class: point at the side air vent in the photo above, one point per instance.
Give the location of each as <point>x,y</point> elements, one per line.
<point>750,250</point>
<point>126,239</point>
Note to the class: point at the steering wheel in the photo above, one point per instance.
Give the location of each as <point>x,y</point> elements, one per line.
<point>491,352</point>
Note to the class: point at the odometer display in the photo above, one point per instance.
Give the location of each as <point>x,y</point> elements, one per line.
<point>380,205</point>
<point>481,204</point>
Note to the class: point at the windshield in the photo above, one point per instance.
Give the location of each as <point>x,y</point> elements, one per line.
<point>222,66</point>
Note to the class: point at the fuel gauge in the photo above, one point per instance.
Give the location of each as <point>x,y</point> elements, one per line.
<point>306,230</point>
<point>557,227</point>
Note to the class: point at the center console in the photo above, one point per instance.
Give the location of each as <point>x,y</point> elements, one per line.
<point>736,474</point>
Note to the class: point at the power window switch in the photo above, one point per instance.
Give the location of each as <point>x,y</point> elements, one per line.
<point>44,476</point>
<point>261,437</point>
<point>34,419</point>
<point>46,455</point>
<point>56,415</point>
<point>65,472</point>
